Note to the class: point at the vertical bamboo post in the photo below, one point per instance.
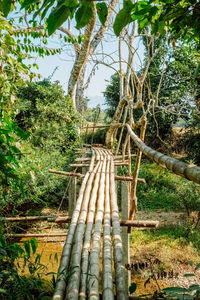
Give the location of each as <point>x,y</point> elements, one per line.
<point>133,207</point>
<point>125,204</point>
<point>72,195</point>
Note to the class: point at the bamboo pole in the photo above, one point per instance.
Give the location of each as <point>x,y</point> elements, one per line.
<point>24,219</point>
<point>93,279</point>
<point>132,223</point>
<point>122,130</point>
<point>108,293</point>
<point>74,281</point>
<point>179,168</point>
<point>79,165</point>
<point>83,159</point>
<point>116,125</point>
<point>24,235</point>
<point>133,190</point>
<point>66,173</point>
<point>87,238</point>
<point>129,178</point>
<point>121,290</point>
<point>66,254</point>
<point>55,219</point>
<point>121,164</point>
<point>121,157</point>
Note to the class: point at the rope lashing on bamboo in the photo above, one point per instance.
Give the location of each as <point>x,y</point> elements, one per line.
<point>180,168</point>
<point>96,207</point>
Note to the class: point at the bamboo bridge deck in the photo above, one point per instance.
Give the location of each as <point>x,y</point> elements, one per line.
<point>96,208</point>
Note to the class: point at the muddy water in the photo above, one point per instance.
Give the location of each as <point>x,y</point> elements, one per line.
<point>50,252</point>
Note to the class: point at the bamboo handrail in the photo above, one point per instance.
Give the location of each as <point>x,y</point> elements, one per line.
<point>179,168</point>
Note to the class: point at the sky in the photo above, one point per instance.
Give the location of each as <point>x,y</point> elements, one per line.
<point>64,63</point>
<point>98,83</point>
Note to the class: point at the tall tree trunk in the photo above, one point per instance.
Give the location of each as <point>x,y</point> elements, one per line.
<point>81,58</point>
<point>88,48</point>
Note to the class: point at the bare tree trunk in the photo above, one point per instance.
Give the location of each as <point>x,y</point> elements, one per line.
<point>88,48</point>
<point>81,58</point>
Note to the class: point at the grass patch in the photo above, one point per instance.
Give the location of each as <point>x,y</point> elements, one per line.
<point>168,244</point>
<point>164,190</point>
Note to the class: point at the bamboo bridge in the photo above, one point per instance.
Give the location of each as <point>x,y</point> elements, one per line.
<point>96,250</point>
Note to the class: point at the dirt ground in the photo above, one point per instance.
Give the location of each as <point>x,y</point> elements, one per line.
<point>166,259</point>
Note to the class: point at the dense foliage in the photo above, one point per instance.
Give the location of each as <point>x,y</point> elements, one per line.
<point>49,117</point>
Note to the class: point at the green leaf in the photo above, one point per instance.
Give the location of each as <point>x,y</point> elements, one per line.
<point>27,3</point>
<point>197,267</point>
<point>27,248</point>
<point>189,275</point>
<point>34,245</point>
<point>190,263</point>
<point>175,289</point>
<point>123,17</point>
<point>2,291</point>
<point>57,17</point>
<point>102,12</point>
<point>5,7</point>
<point>194,287</point>
<point>132,287</point>
<point>84,14</point>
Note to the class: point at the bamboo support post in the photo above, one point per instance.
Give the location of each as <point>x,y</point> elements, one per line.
<point>72,195</point>
<point>125,206</point>
<point>122,130</point>
<point>133,196</point>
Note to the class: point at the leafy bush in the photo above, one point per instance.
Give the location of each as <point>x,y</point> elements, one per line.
<point>13,285</point>
<point>49,116</point>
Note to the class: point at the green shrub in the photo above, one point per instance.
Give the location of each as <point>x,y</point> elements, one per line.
<point>49,116</point>
<point>14,285</point>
